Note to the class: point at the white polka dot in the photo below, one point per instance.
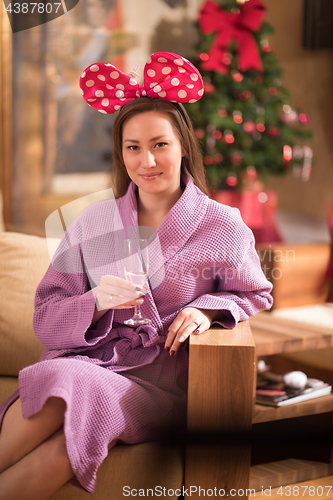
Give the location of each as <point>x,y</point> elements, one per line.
<point>193,100</point>
<point>153,85</point>
<point>194,77</point>
<point>91,100</point>
<point>82,92</point>
<point>102,111</point>
<point>162,94</point>
<point>179,62</point>
<point>166,70</point>
<point>175,82</point>
<point>201,92</point>
<point>109,86</point>
<point>182,70</point>
<point>119,94</point>
<point>133,82</point>
<point>120,87</point>
<point>114,75</point>
<point>149,61</point>
<point>117,107</point>
<point>99,93</point>
<point>151,73</point>
<point>162,60</point>
<point>101,77</point>
<point>182,94</point>
<point>94,68</point>
<point>108,64</point>
<point>190,85</point>
<point>122,99</point>
<point>83,74</point>
<point>157,88</point>
<point>105,102</point>
<point>90,83</point>
<point>137,93</point>
<point>144,93</point>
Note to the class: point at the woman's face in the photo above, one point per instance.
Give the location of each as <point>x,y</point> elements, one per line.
<point>152,153</point>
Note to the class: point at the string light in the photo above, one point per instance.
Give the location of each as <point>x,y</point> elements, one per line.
<point>204,56</point>
<point>229,137</point>
<point>232,180</point>
<point>287,153</point>
<point>237,116</point>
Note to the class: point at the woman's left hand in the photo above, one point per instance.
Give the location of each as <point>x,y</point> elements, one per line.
<point>189,320</point>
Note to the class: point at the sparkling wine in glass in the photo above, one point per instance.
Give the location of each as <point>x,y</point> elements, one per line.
<point>135,261</point>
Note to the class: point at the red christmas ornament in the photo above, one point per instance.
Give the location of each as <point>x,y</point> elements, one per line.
<point>260,127</point>
<point>249,127</point>
<point>209,88</point>
<point>245,95</point>
<point>204,57</point>
<point>273,91</point>
<point>303,118</point>
<point>236,158</point>
<point>232,26</point>
<point>236,76</point>
<point>229,137</point>
<point>222,112</point>
<point>208,160</point>
<point>274,132</point>
<point>217,134</point>
<point>200,134</point>
<point>251,173</point>
<point>231,180</point>
<point>218,158</point>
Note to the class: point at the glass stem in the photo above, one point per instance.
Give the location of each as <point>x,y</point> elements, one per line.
<point>137,311</point>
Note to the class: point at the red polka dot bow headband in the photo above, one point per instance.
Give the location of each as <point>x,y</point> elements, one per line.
<point>166,76</point>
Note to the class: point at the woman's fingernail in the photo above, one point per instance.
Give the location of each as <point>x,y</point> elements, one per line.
<point>172,353</point>
<point>197,330</point>
<point>181,338</point>
<point>139,301</point>
<point>167,348</point>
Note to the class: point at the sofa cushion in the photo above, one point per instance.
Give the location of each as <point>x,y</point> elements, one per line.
<point>24,260</point>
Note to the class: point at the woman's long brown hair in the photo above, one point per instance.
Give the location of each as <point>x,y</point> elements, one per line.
<point>192,160</point>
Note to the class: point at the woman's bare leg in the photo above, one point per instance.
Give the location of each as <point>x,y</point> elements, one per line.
<point>20,436</point>
<point>40,473</point>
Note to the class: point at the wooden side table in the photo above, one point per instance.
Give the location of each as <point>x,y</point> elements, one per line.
<point>275,335</point>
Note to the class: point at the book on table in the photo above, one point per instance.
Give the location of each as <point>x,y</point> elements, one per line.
<point>277,394</point>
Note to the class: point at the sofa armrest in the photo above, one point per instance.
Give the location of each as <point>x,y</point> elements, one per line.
<point>220,407</point>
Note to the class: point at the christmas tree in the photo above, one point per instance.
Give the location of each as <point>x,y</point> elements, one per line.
<point>245,122</point>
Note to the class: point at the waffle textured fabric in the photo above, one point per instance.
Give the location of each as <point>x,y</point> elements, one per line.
<point>118,382</point>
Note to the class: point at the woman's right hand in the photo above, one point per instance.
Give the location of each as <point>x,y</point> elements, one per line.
<point>117,293</point>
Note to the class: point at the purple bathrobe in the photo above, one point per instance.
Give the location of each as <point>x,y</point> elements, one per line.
<point>118,383</point>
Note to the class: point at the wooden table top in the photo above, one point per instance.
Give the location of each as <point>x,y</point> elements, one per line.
<point>274,334</point>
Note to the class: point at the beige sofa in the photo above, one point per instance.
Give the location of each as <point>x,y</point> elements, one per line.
<point>212,404</point>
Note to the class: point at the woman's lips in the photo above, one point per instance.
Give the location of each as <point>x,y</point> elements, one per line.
<point>150,177</point>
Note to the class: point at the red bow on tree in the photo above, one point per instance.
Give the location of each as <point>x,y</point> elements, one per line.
<point>233,26</point>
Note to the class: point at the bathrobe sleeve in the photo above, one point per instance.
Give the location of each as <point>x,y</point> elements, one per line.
<point>65,299</point>
<point>240,287</point>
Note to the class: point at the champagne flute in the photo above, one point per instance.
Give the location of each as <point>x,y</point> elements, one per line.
<point>135,262</point>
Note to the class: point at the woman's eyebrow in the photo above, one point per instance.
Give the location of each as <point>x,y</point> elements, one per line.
<point>151,140</point>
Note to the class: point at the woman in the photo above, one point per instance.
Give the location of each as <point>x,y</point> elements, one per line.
<point>132,381</point>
